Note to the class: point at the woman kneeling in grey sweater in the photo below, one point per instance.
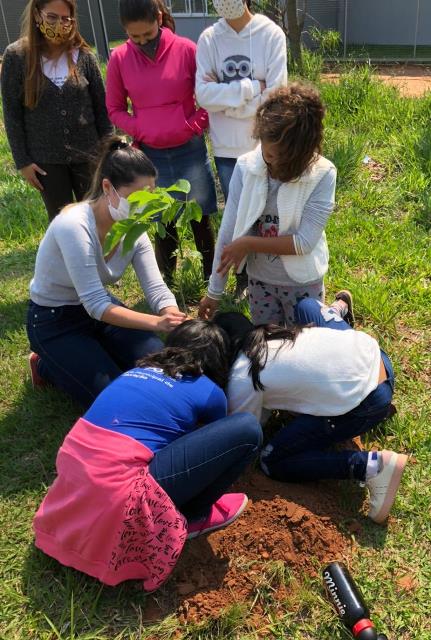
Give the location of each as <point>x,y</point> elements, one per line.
<point>82,337</point>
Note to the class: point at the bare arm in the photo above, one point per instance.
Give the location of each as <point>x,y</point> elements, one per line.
<point>123,317</point>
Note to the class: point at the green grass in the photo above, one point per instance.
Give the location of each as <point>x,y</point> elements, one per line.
<point>389,51</point>
<point>379,245</point>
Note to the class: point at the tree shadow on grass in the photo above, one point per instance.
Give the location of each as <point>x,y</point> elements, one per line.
<point>67,597</point>
<point>14,265</point>
<point>13,316</point>
<point>30,435</point>
<point>17,262</point>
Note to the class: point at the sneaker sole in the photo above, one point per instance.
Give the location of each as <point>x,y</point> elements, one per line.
<point>391,493</point>
<point>195,534</point>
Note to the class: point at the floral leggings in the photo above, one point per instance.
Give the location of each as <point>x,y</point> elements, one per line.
<point>273,304</point>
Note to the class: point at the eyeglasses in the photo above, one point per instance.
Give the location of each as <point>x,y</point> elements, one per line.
<point>54,18</point>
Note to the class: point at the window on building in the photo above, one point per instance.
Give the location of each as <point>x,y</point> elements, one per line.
<point>188,7</point>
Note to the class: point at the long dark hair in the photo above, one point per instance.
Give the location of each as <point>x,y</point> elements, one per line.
<point>120,163</point>
<point>253,340</point>
<point>194,348</point>
<point>146,10</point>
<point>34,45</point>
<point>292,118</point>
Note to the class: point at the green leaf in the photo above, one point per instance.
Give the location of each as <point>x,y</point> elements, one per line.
<point>117,231</point>
<point>183,186</point>
<point>186,265</point>
<point>132,235</point>
<point>161,231</point>
<point>150,210</point>
<point>140,199</point>
<point>192,211</point>
<point>170,214</point>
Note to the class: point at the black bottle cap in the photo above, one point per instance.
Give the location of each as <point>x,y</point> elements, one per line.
<point>367,634</point>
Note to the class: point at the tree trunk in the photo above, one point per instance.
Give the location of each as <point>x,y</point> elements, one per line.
<point>295,26</point>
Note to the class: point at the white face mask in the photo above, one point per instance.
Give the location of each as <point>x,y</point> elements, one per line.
<point>229,9</point>
<point>122,211</point>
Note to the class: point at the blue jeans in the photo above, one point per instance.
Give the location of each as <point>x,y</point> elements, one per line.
<point>298,451</point>
<point>225,167</point>
<point>81,355</point>
<point>190,162</point>
<point>198,468</point>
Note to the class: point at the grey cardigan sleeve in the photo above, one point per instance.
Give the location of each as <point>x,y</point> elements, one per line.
<point>316,212</point>
<point>12,90</point>
<point>80,256</point>
<point>96,90</point>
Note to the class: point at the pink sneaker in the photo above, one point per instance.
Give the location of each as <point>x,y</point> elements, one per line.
<point>36,379</point>
<point>227,509</point>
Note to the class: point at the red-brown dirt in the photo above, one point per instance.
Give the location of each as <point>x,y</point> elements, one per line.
<point>412,80</point>
<point>300,526</point>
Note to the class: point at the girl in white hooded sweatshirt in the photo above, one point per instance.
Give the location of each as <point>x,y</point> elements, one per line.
<point>240,59</point>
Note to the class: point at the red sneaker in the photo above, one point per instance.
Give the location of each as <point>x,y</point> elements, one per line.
<point>227,509</point>
<point>36,378</point>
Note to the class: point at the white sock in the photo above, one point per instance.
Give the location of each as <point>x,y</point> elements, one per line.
<point>374,465</point>
<point>340,307</point>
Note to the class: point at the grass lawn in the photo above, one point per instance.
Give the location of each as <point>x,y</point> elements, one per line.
<point>389,51</point>
<point>379,246</point>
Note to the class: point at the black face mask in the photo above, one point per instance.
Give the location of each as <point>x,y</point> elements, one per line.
<point>150,47</point>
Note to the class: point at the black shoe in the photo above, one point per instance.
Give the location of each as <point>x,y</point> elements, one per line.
<point>241,289</point>
<point>347,297</point>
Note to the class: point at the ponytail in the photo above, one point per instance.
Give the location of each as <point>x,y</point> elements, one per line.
<point>121,164</point>
<point>145,10</point>
<point>253,341</point>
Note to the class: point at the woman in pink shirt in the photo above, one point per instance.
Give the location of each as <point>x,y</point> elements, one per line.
<point>155,69</point>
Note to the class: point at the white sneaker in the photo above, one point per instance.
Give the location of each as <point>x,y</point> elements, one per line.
<point>384,486</point>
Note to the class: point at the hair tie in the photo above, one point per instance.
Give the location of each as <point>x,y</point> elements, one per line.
<point>116,145</point>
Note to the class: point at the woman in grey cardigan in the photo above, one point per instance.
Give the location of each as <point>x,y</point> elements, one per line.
<point>81,336</point>
<point>53,103</point>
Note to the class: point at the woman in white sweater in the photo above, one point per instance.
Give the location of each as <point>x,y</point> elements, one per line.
<point>280,198</point>
<point>240,60</point>
<point>336,382</point>
<point>81,336</point>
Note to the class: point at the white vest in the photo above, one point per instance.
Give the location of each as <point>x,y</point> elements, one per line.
<point>291,199</point>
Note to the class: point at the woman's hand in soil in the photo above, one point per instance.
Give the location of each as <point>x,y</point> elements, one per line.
<point>30,172</point>
<point>207,308</point>
<point>233,254</point>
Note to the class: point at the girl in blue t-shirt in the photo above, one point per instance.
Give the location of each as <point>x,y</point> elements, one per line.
<point>163,402</point>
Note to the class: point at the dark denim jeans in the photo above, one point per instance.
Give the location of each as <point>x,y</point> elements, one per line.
<point>81,355</point>
<point>298,451</point>
<point>225,167</point>
<point>198,468</point>
<point>189,161</point>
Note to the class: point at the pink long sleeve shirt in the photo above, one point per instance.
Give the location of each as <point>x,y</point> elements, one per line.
<point>161,91</point>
